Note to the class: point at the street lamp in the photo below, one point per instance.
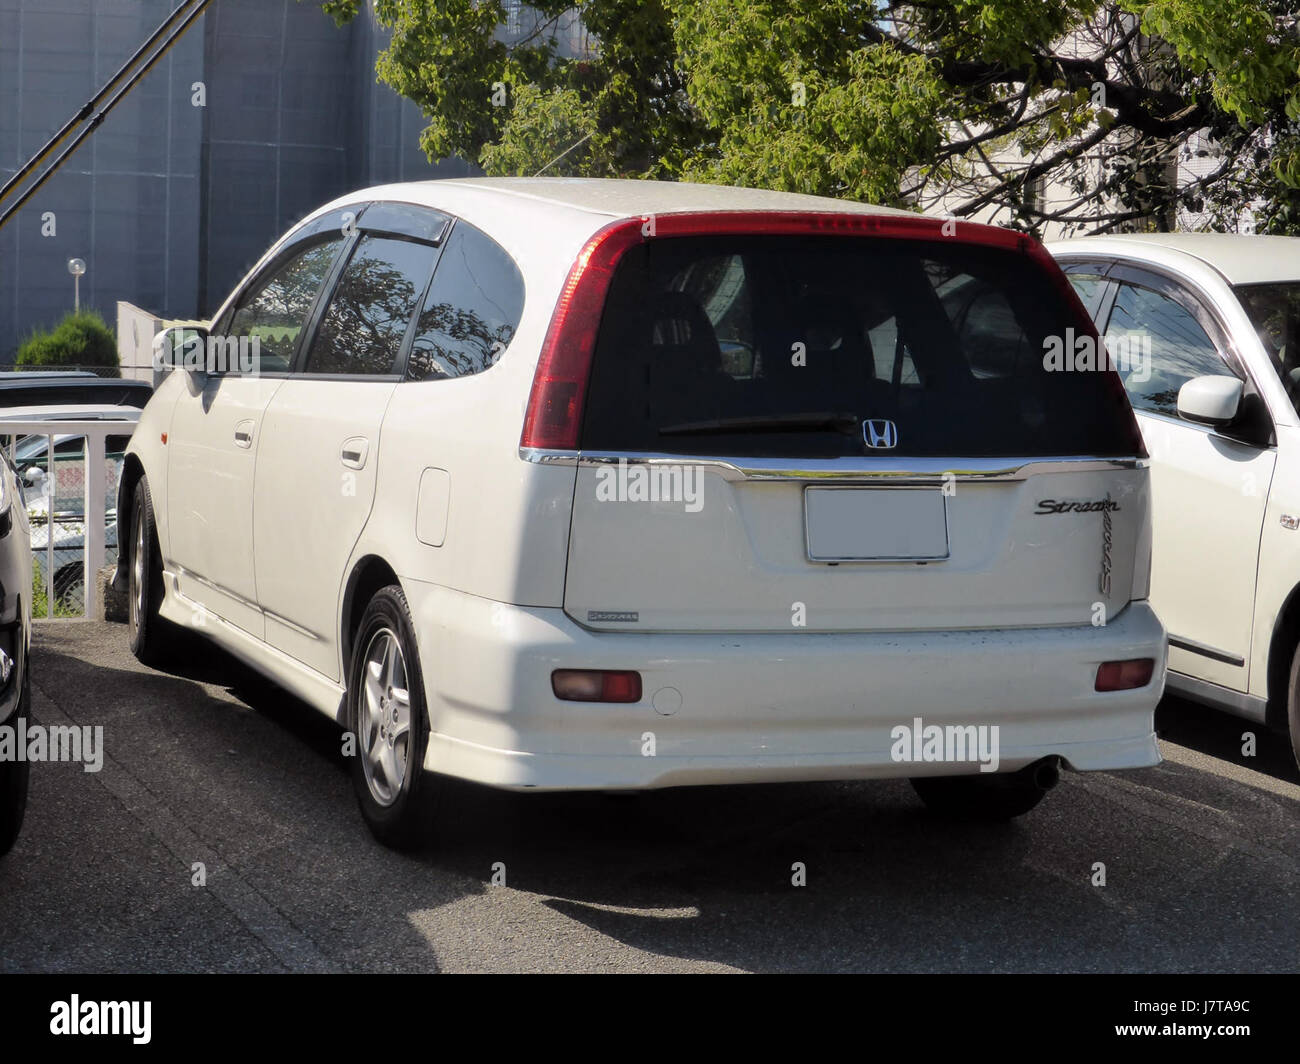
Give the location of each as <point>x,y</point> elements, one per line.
<point>76,267</point>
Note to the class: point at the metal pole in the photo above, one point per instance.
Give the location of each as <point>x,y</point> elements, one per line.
<point>93,123</point>
<point>49,527</point>
<point>88,108</point>
<point>95,510</point>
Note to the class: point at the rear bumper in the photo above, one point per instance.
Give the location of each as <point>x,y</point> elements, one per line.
<point>770,707</point>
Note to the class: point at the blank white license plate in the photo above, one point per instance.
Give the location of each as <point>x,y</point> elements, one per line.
<point>875,524</point>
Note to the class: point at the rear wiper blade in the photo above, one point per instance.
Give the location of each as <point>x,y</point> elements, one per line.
<point>813,421</point>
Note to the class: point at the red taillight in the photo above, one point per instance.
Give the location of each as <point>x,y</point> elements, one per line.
<point>554,416</point>
<point>596,685</point>
<point>1124,675</point>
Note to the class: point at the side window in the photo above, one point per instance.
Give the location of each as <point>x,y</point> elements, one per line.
<point>362,329</point>
<point>1088,286</point>
<point>472,309</point>
<point>1158,345</point>
<point>276,308</point>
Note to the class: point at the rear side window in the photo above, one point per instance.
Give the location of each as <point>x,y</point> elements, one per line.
<point>472,310</point>
<point>361,331</point>
<point>783,346</point>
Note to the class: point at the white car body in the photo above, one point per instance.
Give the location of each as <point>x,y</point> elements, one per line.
<point>513,567</point>
<point>1226,571</point>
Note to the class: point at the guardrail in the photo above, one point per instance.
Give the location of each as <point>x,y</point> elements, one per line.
<point>95,494</point>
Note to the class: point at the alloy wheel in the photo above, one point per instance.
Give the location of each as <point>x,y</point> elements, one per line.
<point>384,717</point>
<point>137,573</point>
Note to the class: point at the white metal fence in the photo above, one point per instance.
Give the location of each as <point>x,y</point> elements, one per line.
<point>96,494</point>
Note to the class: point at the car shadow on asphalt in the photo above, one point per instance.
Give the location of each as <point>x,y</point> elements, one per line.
<point>202,661</point>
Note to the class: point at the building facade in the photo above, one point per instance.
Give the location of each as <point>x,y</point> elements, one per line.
<point>263,110</point>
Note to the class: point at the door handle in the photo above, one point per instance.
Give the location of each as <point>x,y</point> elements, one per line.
<point>244,434</point>
<point>354,451</point>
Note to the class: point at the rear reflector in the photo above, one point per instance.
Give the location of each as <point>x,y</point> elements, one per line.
<point>1124,675</point>
<point>596,685</point>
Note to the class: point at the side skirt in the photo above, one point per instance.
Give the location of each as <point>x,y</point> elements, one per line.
<point>313,688</point>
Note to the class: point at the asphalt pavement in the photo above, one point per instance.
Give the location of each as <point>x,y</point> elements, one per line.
<point>212,766</point>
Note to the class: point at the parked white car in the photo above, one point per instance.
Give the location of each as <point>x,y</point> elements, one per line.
<point>1208,329</point>
<point>557,484</point>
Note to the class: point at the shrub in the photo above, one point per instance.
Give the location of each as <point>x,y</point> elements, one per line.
<point>80,340</point>
<point>41,603</point>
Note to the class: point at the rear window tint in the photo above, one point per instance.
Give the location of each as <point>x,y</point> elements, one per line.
<point>946,340</point>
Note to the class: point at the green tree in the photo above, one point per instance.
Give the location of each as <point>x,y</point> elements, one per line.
<point>81,341</point>
<point>973,102</point>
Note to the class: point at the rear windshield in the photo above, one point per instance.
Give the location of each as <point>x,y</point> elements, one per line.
<point>785,346</point>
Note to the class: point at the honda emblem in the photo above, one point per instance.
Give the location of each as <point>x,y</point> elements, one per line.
<point>879,435</point>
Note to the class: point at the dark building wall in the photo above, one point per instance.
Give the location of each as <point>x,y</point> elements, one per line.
<point>169,203</point>
<point>127,201</point>
<point>277,139</point>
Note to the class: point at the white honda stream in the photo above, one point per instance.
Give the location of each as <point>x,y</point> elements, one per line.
<point>561,484</point>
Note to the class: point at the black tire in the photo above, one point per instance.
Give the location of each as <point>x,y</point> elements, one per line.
<point>996,797</point>
<point>396,796</point>
<point>14,777</point>
<point>68,591</point>
<point>152,638</point>
<point>1293,707</point>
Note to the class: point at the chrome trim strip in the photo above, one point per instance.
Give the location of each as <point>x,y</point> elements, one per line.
<point>289,624</point>
<point>266,614</point>
<point>898,470</point>
<point>1252,707</point>
<point>181,572</point>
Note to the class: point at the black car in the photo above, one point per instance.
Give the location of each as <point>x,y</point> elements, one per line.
<point>15,647</point>
<point>45,389</point>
